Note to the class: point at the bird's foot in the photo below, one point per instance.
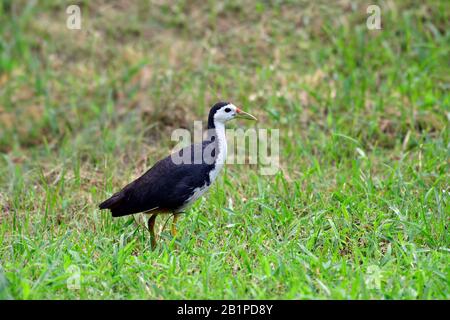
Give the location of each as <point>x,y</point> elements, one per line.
<point>151,228</point>
<point>174,231</point>
<point>174,225</point>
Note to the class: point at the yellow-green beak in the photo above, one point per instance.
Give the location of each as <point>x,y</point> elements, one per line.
<point>244,115</point>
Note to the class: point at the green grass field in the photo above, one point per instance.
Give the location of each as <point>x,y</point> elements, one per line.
<point>358,210</point>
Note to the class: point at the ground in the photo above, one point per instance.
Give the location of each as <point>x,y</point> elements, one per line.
<point>358,210</point>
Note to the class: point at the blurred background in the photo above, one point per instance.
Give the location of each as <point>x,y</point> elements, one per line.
<point>159,64</point>
<point>363,118</point>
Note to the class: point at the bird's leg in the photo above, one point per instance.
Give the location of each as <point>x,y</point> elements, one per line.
<point>174,224</point>
<point>151,228</point>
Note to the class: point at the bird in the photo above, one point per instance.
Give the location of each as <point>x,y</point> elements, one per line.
<point>174,183</point>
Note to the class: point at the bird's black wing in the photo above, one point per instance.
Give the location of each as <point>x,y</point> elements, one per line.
<point>167,185</point>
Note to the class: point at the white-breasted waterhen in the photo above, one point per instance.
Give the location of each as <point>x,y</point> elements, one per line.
<point>171,186</point>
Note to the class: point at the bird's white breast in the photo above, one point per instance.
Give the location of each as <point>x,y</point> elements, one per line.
<point>218,165</point>
<point>198,192</point>
<point>222,151</point>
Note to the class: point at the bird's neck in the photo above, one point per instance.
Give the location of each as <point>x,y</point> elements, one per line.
<point>221,140</point>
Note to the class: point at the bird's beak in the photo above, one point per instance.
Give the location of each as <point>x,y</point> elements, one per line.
<point>244,115</point>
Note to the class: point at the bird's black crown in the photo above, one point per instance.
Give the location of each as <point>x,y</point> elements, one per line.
<point>213,110</point>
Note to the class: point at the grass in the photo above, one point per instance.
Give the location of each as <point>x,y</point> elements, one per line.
<point>358,210</point>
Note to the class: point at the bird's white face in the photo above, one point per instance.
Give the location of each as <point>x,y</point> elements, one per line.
<point>230,111</point>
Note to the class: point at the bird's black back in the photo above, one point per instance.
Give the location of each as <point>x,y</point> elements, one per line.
<point>166,185</point>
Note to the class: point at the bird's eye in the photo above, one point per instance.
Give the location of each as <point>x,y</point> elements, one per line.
<point>227,109</point>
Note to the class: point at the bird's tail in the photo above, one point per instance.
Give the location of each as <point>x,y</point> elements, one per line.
<point>112,202</point>
<point>118,205</point>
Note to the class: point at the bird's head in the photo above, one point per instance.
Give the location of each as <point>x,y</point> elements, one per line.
<point>222,112</point>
